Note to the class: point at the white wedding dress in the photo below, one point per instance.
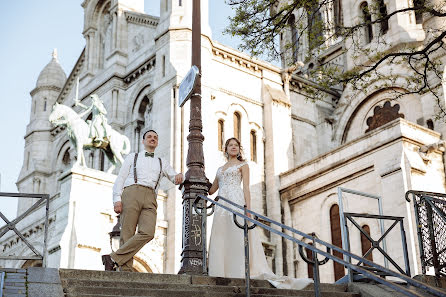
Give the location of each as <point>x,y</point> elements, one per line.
<point>226,246</point>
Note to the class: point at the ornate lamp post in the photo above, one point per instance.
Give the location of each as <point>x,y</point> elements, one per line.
<point>115,235</point>
<point>195,182</point>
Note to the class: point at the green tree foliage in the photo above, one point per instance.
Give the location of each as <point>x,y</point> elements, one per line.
<point>317,26</point>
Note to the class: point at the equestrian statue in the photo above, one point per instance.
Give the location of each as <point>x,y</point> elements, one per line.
<point>94,134</point>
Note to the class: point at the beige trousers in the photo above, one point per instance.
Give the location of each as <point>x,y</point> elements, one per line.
<point>138,209</point>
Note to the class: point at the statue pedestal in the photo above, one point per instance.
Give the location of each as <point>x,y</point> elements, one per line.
<point>88,217</point>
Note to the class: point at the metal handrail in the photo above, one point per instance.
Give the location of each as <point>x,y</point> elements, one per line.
<point>427,207</point>
<point>316,250</point>
<point>11,225</point>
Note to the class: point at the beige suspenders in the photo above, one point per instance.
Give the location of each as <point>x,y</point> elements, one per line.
<point>135,177</point>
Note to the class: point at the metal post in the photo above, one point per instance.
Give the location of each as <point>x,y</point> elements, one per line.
<point>381,225</point>
<point>342,221</point>
<point>341,215</point>
<point>405,252</point>
<point>435,260</point>
<point>195,182</point>
<point>203,238</point>
<point>247,273</point>
<point>349,259</point>
<point>316,277</point>
<point>420,235</point>
<point>45,237</point>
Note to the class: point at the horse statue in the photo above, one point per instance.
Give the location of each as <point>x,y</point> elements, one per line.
<point>114,144</point>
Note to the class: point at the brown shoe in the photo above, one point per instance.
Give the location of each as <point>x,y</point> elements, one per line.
<point>108,262</point>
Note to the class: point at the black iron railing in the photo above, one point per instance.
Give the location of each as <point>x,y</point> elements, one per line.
<point>375,244</point>
<point>11,226</point>
<point>430,215</point>
<point>201,207</point>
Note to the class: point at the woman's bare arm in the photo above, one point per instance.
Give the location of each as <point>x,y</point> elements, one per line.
<point>214,187</point>
<point>246,191</point>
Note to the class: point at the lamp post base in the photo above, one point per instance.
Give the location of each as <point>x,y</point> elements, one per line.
<point>194,231</point>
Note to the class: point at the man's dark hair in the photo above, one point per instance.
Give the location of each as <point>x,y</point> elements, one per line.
<point>143,136</point>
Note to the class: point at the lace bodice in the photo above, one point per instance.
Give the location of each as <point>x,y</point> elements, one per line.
<point>229,183</point>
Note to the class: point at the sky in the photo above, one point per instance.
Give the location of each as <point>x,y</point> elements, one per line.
<point>29,31</point>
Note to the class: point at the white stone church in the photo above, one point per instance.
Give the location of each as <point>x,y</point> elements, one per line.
<point>299,151</point>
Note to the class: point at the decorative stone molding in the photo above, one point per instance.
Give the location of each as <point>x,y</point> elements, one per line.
<point>137,42</point>
<point>45,88</point>
<point>56,130</point>
<point>83,246</point>
<point>28,233</point>
<point>141,19</point>
<point>278,96</point>
<point>239,61</point>
<point>240,97</point>
<point>148,65</point>
<point>54,249</point>
<point>425,150</point>
<point>301,119</point>
<point>383,115</point>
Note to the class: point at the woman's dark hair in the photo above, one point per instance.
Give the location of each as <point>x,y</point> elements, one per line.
<point>239,157</point>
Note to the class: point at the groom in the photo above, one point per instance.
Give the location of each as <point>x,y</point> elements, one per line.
<point>134,197</point>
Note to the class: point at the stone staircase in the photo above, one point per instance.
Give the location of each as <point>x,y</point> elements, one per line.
<point>86,283</point>
<point>14,282</point>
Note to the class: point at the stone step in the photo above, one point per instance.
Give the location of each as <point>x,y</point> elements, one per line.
<point>149,278</point>
<point>205,281</point>
<point>170,294</point>
<point>77,283</point>
<point>14,282</point>
<point>75,287</point>
<point>127,276</point>
<point>171,279</point>
<point>193,292</point>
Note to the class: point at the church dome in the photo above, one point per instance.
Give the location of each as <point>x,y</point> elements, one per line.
<point>52,74</point>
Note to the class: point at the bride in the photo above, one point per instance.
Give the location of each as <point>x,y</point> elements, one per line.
<point>226,247</point>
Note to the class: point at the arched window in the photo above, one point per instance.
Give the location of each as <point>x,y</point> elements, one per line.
<point>315,25</point>
<point>365,243</point>
<point>294,37</point>
<point>180,3</point>
<point>337,15</point>
<point>336,240</point>
<point>367,19</point>
<point>384,24</point>
<point>44,104</point>
<point>237,126</point>
<point>221,134</point>
<point>66,159</point>
<point>253,146</point>
<point>309,266</point>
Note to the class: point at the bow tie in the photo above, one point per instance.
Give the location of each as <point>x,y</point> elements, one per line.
<point>149,154</point>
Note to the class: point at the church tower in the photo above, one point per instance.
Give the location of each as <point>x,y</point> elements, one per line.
<point>105,32</point>
<point>177,14</point>
<point>36,169</point>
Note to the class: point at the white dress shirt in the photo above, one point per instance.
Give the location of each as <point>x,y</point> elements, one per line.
<point>147,172</point>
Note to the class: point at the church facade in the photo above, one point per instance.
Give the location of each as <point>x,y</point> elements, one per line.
<point>299,152</point>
